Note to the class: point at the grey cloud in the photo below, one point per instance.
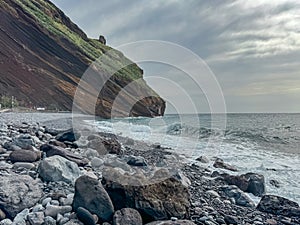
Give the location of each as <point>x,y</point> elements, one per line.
<point>246,43</point>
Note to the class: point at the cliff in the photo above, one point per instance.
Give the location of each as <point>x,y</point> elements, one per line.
<point>43,56</point>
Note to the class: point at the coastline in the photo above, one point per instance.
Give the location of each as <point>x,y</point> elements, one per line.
<point>212,199</point>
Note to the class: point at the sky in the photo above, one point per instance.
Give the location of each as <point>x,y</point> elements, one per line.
<point>252,47</point>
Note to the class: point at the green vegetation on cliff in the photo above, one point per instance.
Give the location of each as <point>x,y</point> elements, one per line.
<point>50,18</point>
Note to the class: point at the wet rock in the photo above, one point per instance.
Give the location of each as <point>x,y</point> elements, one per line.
<point>155,198</point>
<point>239,196</point>
<point>24,156</point>
<point>85,216</point>
<point>250,182</point>
<point>2,215</point>
<point>136,161</point>
<point>219,163</point>
<point>275,183</point>
<point>90,194</point>
<point>17,192</point>
<point>278,206</point>
<point>57,168</point>
<point>52,150</point>
<point>202,159</point>
<point>68,135</point>
<point>127,216</point>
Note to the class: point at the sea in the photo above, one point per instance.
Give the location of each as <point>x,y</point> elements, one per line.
<point>267,144</point>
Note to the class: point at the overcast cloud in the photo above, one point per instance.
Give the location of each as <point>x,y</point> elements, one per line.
<point>253,47</point>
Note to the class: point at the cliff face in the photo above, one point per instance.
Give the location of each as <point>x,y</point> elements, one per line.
<point>43,55</point>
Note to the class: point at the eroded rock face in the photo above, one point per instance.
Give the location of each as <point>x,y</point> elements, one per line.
<point>279,206</point>
<point>18,192</point>
<point>156,198</point>
<point>53,57</point>
<point>90,194</point>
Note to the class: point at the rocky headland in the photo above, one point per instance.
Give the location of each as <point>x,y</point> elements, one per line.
<point>51,174</point>
<point>44,55</point>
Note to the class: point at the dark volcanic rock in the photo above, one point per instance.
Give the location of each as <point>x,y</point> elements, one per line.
<point>68,135</point>
<point>239,196</point>
<point>158,200</point>
<point>85,216</point>
<point>278,206</point>
<point>18,192</point>
<point>219,163</point>
<point>90,194</point>
<point>250,182</point>
<point>52,150</point>
<point>127,216</point>
<point>24,156</point>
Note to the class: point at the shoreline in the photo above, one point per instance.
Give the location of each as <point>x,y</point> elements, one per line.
<point>212,200</point>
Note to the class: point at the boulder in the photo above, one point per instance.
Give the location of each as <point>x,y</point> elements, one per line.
<point>52,150</point>
<point>250,182</point>
<point>67,135</point>
<point>278,206</point>
<point>85,216</point>
<point>24,156</point>
<point>18,192</point>
<point>202,159</point>
<point>127,216</point>
<point>156,198</point>
<point>105,145</point>
<point>102,40</point>
<point>90,194</point>
<point>24,141</point>
<point>219,163</point>
<point>171,222</point>
<point>57,168</point>
<point>240,198</point>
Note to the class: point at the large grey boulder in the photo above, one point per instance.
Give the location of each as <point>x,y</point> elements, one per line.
<point>240,198</point>
<point>18,192</point>
<point>57,168</point>
<point>90,194</point>
<point>279,206</point>
<point>157,197</point>
<point>127,216</point>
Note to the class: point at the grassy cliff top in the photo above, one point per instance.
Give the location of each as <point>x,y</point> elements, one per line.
<point>52,19</point>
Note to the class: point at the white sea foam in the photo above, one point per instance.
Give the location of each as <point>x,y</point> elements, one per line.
<point>243,148</point>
